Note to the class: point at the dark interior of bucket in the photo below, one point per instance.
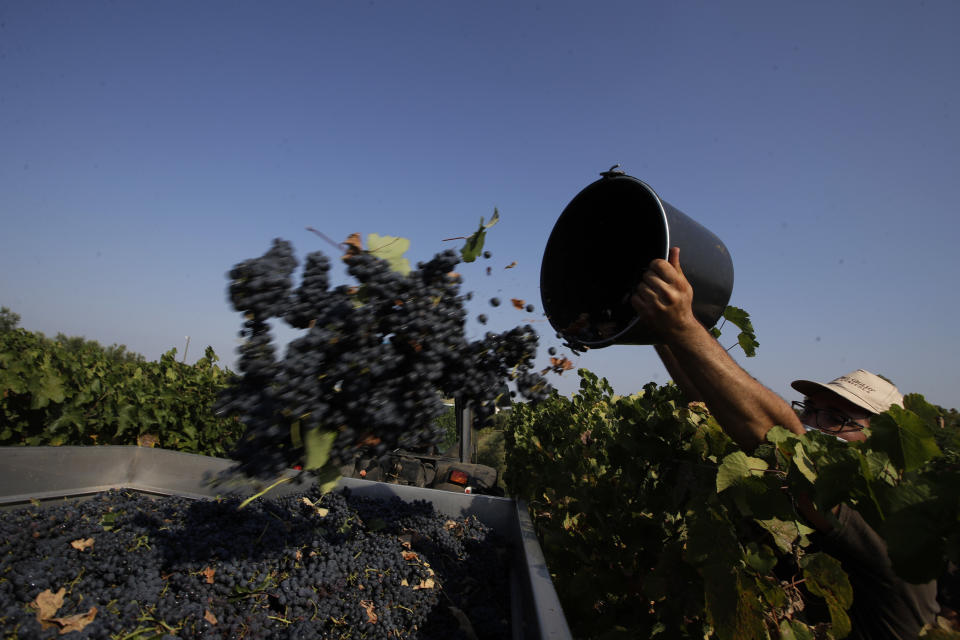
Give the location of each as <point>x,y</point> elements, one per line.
<point>595,257</point>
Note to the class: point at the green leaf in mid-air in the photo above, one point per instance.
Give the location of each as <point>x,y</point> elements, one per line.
<point>390,249</point>
<point>474,244</point>
<point>317,442</point>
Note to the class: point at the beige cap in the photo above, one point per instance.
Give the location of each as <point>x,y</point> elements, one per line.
<point>862,388</point>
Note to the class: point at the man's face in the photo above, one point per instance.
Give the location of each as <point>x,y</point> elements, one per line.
<point>827,412</point>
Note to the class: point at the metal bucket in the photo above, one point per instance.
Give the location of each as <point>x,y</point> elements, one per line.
<point>599,248</point>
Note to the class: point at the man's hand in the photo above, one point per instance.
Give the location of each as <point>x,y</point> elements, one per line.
<point>664,298</point>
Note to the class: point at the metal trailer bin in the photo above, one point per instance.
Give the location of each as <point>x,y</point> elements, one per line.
<point>53,474</point>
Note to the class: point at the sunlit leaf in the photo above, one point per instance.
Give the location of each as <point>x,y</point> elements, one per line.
<point>738,465</point>
<point>928,413</point>
<point>747,338</point>
<point>474,244</point>
<point>317,443</point>
<point>48,389</point>
<point>390,249</point>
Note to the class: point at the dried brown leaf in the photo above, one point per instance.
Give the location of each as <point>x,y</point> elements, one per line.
<point>519,304</point>
<point>75,622</point>
<point>209,617</point>
<point>208,574</point>
<point>511,265</point>
<point>82,543</point>
<point>558,366</point>
<point>371,614</point>
<point>354,245</point>
<point>426,584</point>
<point>47,602</point>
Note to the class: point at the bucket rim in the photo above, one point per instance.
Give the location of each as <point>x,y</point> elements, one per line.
<point>665,254</point>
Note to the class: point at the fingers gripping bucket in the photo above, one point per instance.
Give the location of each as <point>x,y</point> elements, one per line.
<point>599,248</point>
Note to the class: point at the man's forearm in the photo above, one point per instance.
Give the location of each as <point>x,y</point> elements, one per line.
<point>744,408</point>
<point>677,374</point>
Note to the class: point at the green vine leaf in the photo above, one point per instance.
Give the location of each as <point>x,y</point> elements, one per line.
<point>826,578</point>
<point>905,437</point>
<point>390,249</point>
<point>795,630</point>
<point>474,244</point>
<point>737,466</point>
<point>317,443</point>
<point>747,338</point>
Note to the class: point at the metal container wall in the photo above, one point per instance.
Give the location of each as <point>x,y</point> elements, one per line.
<point>53,474</point>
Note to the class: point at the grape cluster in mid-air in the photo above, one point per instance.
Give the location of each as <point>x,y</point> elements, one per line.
<point>374,362</point>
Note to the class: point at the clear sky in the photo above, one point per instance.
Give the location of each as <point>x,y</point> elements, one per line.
<point>146,147</point>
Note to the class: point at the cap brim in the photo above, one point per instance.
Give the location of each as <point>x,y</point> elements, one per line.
<point>809,387</point>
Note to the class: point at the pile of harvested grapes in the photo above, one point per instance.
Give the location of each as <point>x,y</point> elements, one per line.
<point>307,565</point>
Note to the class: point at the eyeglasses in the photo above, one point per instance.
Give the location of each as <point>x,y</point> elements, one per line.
<point>827,420</point>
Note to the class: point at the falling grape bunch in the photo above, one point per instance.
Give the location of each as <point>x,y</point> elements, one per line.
<point>374,364</point>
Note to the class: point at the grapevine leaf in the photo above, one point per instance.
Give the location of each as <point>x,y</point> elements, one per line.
<point>914,531</point>
<point>795,630</point>
<point>928,413</point>
<point>390,249</point>
<point>47,603</point>
<point>327,477</point>
<point>826,578</point>
<point>474,244</point>
<point>761,558</point>
<point>734,607</point>
<point>747,338</point>
<point>48,389</point>
<point>916,548</point>
<point>125,415</point>
<point>494,219</point>
<point>295,438</point>
<point>785,532</point>
<point>803,462</point>
<point>317,442</point>
<point>904,437</point>
<point>736,466</point>
<point>710,539</point>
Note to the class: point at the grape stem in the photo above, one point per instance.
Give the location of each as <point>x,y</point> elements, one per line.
<point>257,495</point>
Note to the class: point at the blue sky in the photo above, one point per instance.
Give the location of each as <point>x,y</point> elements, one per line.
<point>146,147</point>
